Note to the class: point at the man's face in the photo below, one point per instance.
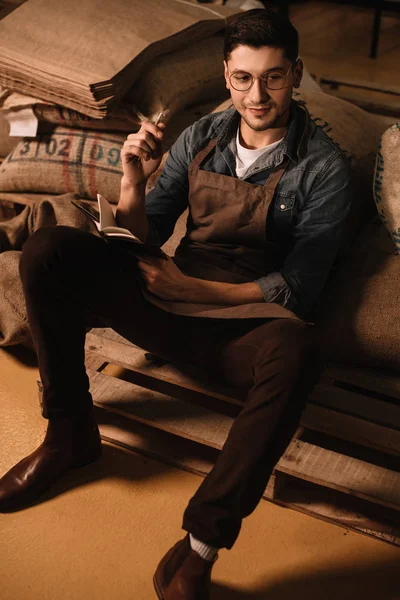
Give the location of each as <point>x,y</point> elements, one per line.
<point>262,108</point>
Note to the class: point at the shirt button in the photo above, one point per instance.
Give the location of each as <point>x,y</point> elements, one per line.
<point>282,206</point>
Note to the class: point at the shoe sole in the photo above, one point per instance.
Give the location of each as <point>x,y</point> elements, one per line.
<point>158,591</point>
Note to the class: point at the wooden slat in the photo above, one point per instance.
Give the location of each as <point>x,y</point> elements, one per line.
<point>177,390</point>
<point>375,380</point>
<point>93,362</point>
<point>119,351</point>
<point>332,506</point>
<point>357,404</point>
<point>154,443</point>
<point>352,429</point>
<point>159,410</point>
<point>342,473</point>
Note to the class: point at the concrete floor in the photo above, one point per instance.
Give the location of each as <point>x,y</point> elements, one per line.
<point>102,530</point>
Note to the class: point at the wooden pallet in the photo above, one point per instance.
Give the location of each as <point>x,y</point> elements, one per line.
<point>342,466</point>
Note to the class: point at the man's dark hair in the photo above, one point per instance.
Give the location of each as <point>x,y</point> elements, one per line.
<point>261,27</point>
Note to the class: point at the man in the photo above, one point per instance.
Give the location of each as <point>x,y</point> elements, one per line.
<point>268,194</point>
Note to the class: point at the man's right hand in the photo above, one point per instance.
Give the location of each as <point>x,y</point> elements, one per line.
<point>141,153</point>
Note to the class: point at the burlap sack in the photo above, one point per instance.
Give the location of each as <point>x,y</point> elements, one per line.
<point>387,182</point>
<point>67,160</point>
<point>359,312</point>
<point>14,328</point>
<point>123,119</point>
<point>86,55</point>
<point>173,81</point>
<point>360,303</point>
<point>181,78</point>
<point>357,132</point>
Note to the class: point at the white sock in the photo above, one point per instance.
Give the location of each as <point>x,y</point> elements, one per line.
<point>204,550</point>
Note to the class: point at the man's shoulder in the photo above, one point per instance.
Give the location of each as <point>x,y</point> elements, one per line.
<point>207,127</point>
<point>323,145</point>
<point>324,155</point>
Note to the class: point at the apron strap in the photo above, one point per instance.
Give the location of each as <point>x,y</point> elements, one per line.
<point>200,156</point>
<point>275,177</point>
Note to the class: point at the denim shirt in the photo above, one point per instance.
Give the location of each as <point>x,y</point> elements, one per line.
<point>308,212</point>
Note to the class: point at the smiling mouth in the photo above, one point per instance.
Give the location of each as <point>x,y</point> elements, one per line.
<point>263,109</point>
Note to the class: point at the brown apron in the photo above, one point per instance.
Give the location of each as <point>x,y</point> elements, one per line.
<point>226,240</point>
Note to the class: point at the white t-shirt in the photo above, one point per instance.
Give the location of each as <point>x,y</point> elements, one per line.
<point>245,157</point>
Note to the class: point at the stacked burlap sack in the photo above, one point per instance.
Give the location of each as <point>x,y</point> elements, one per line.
<point>86,55</point>
<point>79,154</point>
<point>172,81</point>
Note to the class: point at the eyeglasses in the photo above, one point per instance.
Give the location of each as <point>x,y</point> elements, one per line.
<point>243,82</point>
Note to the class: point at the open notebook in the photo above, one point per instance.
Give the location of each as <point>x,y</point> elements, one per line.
<point>104,221</point>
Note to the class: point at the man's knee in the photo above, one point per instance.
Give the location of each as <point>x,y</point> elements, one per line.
<point>293,333</point>
<point>291,343</point>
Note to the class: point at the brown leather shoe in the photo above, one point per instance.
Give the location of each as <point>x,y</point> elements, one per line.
<point>183,575</point>
<point>70,442</point>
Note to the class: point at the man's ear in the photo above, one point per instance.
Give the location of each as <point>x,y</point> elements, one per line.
<point>298,73</point>
<point>226,75</point>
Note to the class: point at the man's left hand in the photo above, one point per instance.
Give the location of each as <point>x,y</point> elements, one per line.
<point>163,278</point>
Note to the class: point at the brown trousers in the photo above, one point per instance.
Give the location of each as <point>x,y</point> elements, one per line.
<point>73,280</point>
